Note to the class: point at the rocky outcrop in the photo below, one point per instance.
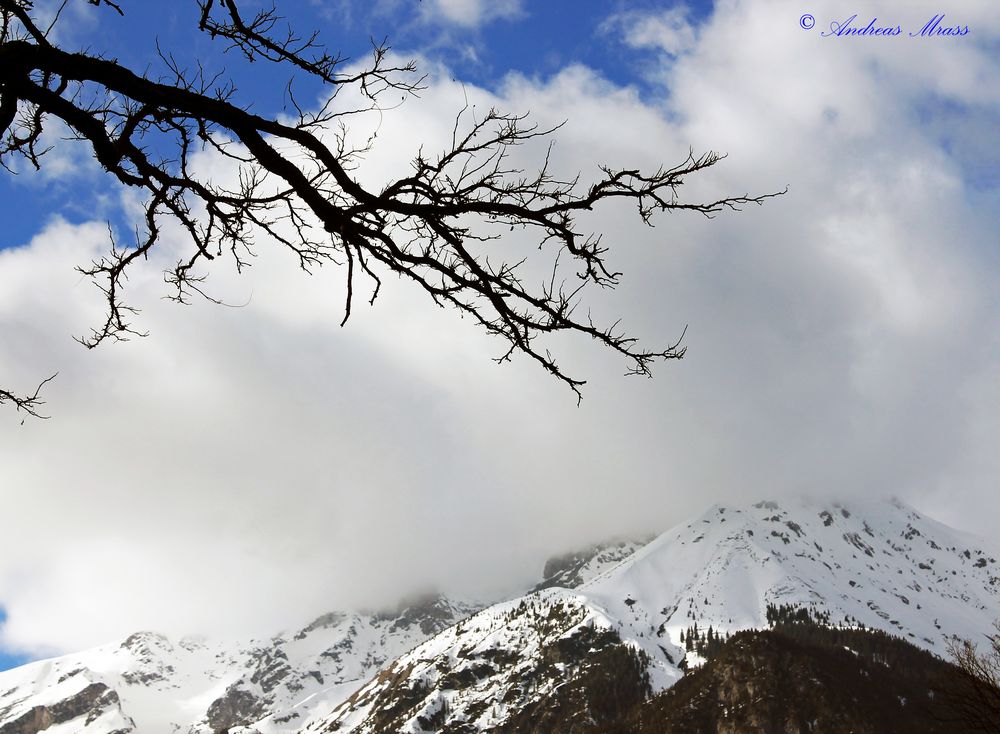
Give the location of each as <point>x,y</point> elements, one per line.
<point>237,707</point>
<point>541,663</point>
<point>430,612</point>
<point>87,705</point>
<point>571,570</point>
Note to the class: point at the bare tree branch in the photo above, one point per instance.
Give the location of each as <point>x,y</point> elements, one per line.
<point>438,227</point>
<point>29,404</point>
<point>972,697</point>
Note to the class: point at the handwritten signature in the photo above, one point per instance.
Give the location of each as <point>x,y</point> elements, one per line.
<point>935,27</point>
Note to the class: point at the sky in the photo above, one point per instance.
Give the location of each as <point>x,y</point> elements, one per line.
<point>242,470</point>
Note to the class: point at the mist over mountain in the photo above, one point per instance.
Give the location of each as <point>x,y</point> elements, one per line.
<point>616,634</point>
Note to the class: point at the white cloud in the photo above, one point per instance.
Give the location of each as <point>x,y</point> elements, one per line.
<point>669,32</point>
<point>242,469</point>
<point>471,13</point>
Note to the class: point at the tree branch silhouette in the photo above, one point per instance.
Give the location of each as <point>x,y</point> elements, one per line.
<point>28,404</point>
<point>971,698</point>
<point>296,186</point>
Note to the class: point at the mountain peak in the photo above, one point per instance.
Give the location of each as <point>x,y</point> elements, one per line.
<point>856,566</point>
<point>878,563</point>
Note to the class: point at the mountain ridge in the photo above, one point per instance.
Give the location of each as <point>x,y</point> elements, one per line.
<point>618,614</point>
<point>150,684</point>
<point>727,569</point>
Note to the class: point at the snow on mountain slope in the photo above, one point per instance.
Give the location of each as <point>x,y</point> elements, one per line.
<point>323,663</point>
<point>571,570</point>
<point>140,685</point>
<point>568,570</point>
<point>500,670</point>
<point>430,665</point>
<point>879,564</point>
<point>151,685</point>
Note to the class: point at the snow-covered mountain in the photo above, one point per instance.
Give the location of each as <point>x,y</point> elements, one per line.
<point>148,684</point>
<point>881,565</point>
<point>607,619</point>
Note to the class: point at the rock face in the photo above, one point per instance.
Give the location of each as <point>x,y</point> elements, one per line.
<point>236,707</point>
<point>430,613</point>
<point>316,667</point>
<point>89,704</point>
<point>571,570</point>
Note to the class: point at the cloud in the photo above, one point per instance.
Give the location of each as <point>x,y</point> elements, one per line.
<point>669,32</point>
<point>471,13</point>
<point>243,469</point>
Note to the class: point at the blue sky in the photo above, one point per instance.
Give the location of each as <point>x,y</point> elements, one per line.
<point>539,39</point>
<point>8,660</point>
<point>842,339</point>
